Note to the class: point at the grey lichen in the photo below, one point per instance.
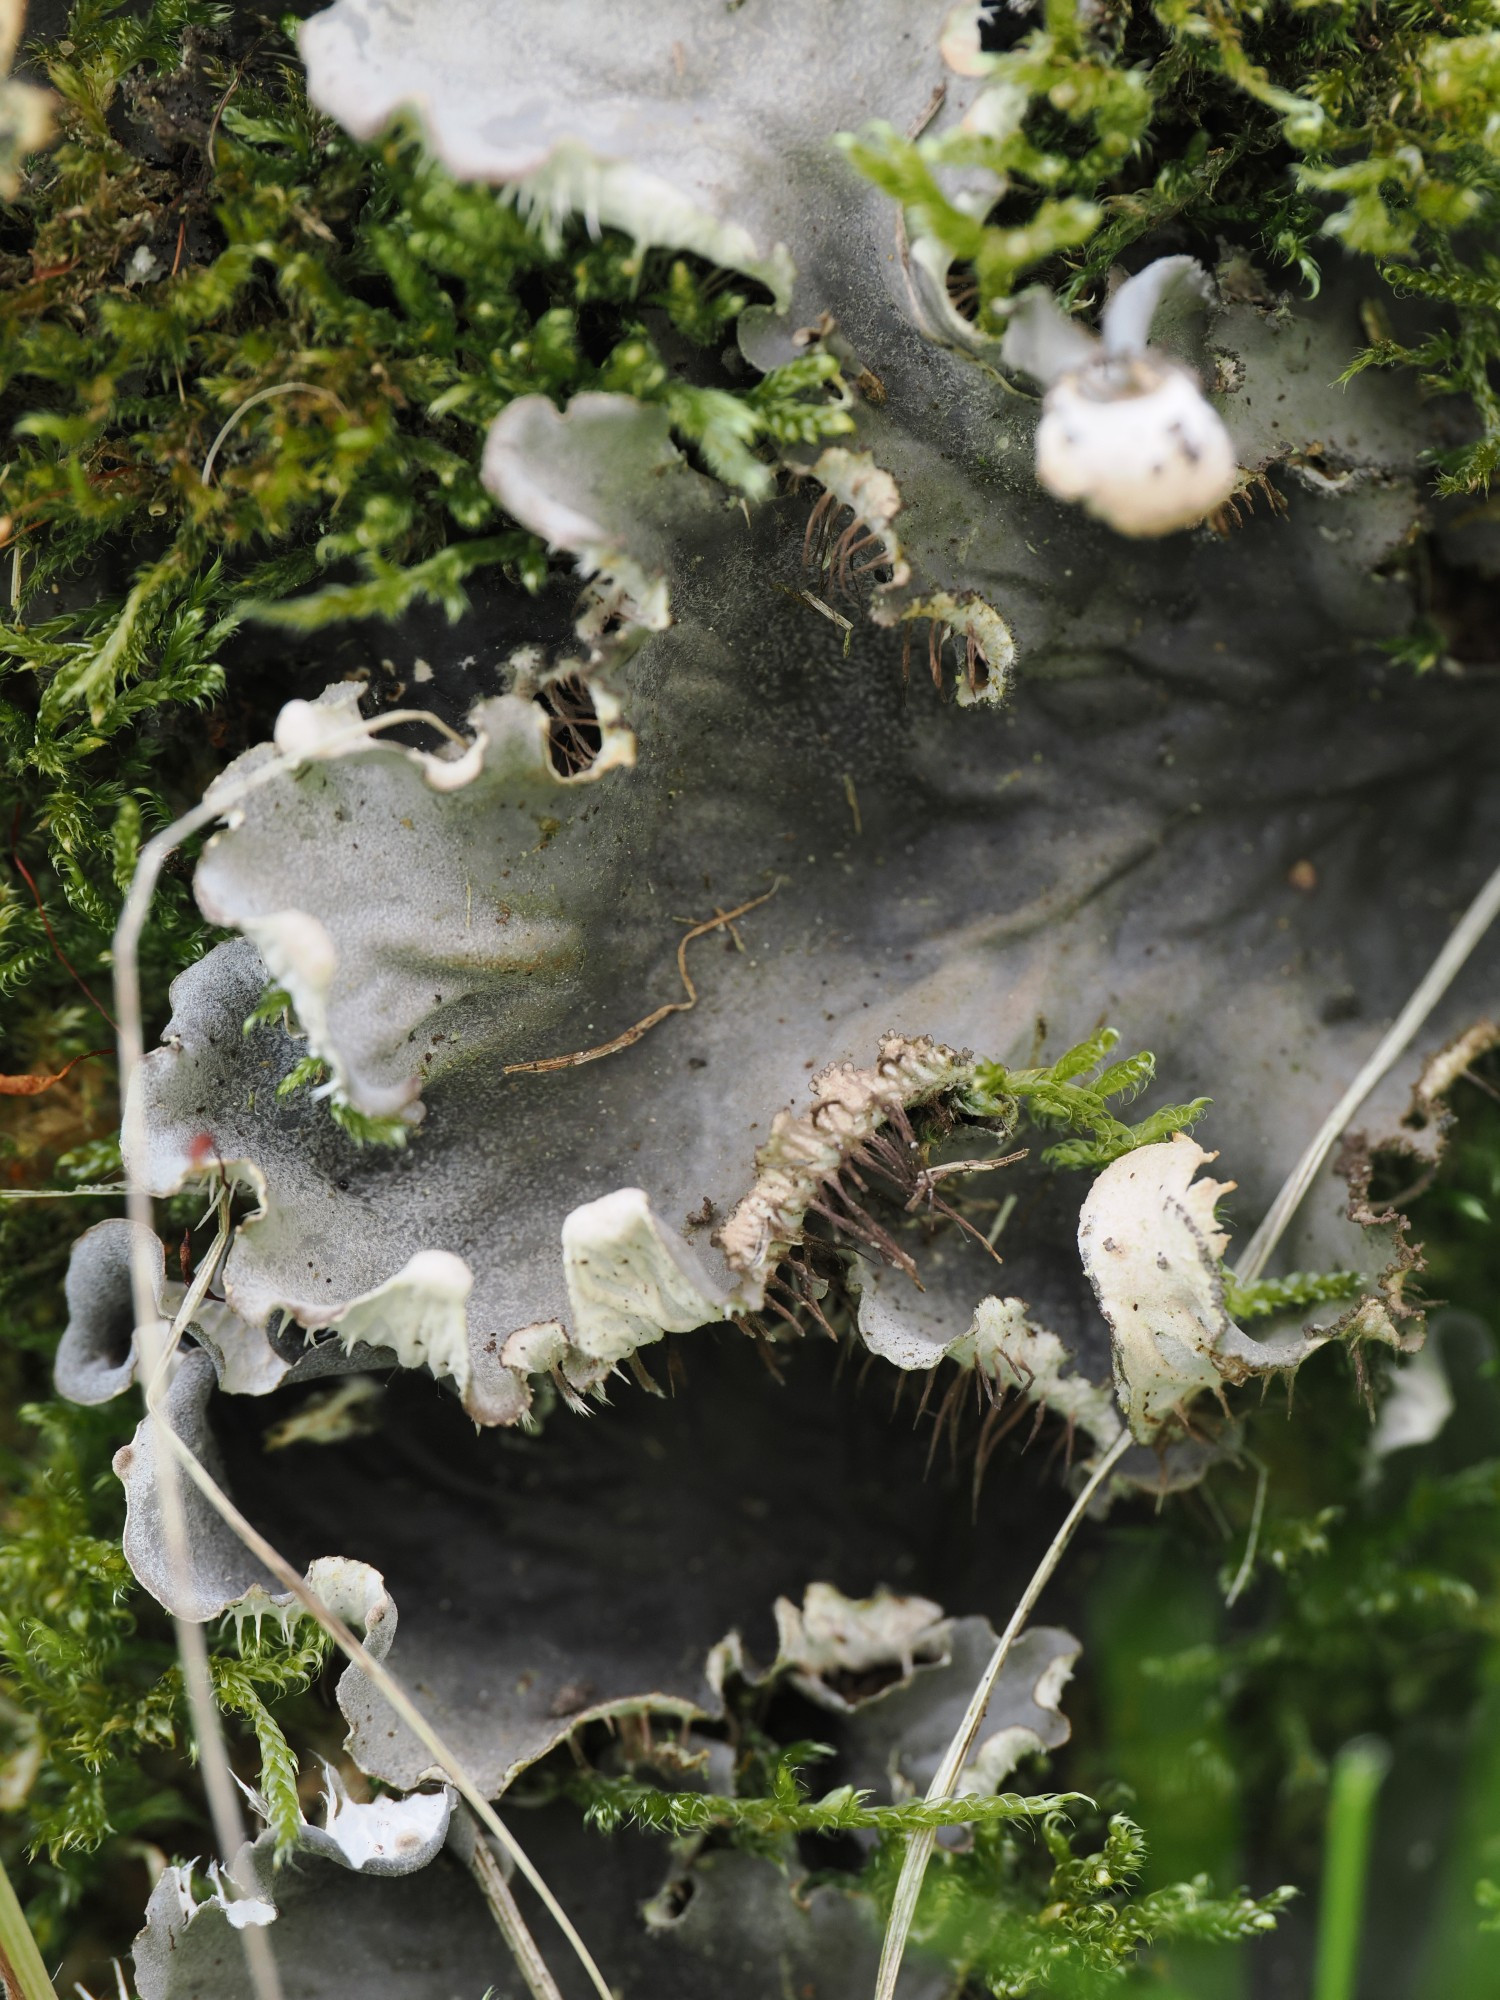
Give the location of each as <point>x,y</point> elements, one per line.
<point>651,941</point>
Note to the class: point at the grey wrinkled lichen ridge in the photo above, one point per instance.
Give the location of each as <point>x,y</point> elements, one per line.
<point>220,1568</point>
<point>97,1355</point>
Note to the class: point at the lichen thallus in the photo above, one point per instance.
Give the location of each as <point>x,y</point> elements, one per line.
<point>173,1454</point>
<point>1466,934</point>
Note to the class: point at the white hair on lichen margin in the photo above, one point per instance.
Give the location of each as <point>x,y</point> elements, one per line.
<point>352,1590</point>
<point>360,71</point>
<point>806,1148</point>
<point>852,480</point>
<point>387,1837</point>
<point>575,478</point>
<point>300,956</point>
<point>1153,1251</point>
<point>1002,1343</point>
<point>631,1279</point>
<point>392,1834</point>
<point>987,639</point>
<point>208,1731</point>
<point>384,1836</point>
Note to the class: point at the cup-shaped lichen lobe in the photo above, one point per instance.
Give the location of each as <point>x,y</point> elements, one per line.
<point>593,1565</point>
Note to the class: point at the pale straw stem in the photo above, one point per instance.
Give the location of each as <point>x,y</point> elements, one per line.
<point>495,1889</point>
<point>260,396</point>
<point>919,1845</point>
<point>170,1450</point>
<point>395,1694</point>
<point>1466,934</point>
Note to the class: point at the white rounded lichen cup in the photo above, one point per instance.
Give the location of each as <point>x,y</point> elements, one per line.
<point>1126,431</point>
<point>1136,443</point>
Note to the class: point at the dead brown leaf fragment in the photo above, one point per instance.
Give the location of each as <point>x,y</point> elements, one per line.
<point>33,1086</point>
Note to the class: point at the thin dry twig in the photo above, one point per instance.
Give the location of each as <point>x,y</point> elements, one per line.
<point>1252,1540</point>
<point>919,1845</point>
<point>197,1291</point>
<point>721,920</point>
<point>62,1194</point>
<point>23,1975</point>
<point>927,1177</point>
<point>262,396</point>
<point>512,1925</point>
<point>156,1350</point>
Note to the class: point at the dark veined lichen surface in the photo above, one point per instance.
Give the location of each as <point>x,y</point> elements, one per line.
<point>691,1031</point>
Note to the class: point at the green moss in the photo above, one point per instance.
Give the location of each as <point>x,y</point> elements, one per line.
<point>93,1720</point>
<point>287,342</point>
<point>96,1692</point>
<point>1043,1897</point>
<point>242,356</point>
<point>1296,1289</point>
<point>1062,1916</point>
<point>787,1808</point>
<point>1074,1095</point>
<point>1274,128</point>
